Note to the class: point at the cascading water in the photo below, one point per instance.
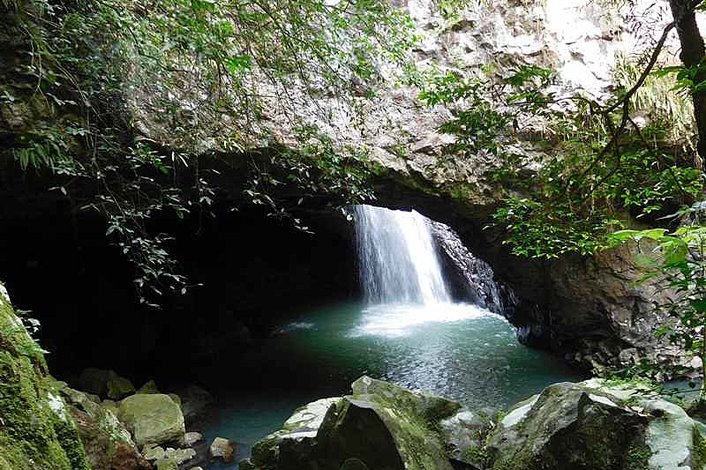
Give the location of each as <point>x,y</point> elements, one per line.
<point>398,261</point>
<point>401,273</point>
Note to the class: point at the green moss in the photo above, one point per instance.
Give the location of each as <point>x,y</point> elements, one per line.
<point>478,455</point>
<point>32,435</point>
<point>638,457</point>
<point>698,453</point>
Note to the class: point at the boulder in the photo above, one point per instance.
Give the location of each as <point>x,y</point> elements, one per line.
<point>464,434</point>
<point>194,401</point>
<point>106,441</point>
<point>94,381</point>
<point>379,426</point>
<point>166,464</point>
<point>300,429</point>
<point>152,419</point>
<point>596,425</point>
<point>149,387</point>
<point>152,452</point>
<point>223,449</point>
<point>118,387</point>
<point>105,383</point>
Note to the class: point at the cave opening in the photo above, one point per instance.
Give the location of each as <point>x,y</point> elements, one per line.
<point>250,272</point>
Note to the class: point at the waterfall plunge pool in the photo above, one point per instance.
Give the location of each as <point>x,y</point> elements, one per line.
<point>459,351</point>
<point>409,331</point>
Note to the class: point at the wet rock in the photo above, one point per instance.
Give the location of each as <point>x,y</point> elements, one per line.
<point>179,455</point>
<point>166,464</point>
<point>152,419</point>
<point>464,434</point>
<point>191,438</point>
<point>301,428</point>
<point>223,449</point>
<point>152,452</point>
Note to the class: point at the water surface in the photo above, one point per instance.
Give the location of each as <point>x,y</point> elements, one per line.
<point>458,351</point>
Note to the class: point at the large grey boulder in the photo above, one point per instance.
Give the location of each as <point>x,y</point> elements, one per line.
<point>379,426</point>
<point>595,425</point>
<point>152,419</point>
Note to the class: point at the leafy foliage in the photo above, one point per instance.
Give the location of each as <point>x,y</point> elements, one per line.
<point>591,172</point>
<point>680,259</point>
<point>207,69</point>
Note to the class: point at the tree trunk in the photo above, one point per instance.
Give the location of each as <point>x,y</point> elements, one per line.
<point>692,54</point>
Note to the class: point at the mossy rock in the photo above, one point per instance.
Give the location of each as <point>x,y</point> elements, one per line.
<point>380,426</point>
<point>106,441</point>
<point>118,387</point>
<point>37,430</point>
<point>149,387</point>
<point>301,428</point>
<point>152,419</point>
<point>105,383</point>
<point>593,425</point>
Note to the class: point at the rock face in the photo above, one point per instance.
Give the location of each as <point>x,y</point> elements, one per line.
<point>37,430</point>
<point>586,309</point>
<point>152,419</point>
<point>591,425</point>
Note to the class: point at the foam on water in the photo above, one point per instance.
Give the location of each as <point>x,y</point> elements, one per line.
<point>396,320</point>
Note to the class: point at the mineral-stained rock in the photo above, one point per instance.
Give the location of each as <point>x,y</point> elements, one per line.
<point>223,449</point>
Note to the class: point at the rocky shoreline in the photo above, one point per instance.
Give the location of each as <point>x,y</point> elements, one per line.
<point>594,424</point>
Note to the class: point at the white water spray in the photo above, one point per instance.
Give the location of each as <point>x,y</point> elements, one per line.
<point>398,260</point>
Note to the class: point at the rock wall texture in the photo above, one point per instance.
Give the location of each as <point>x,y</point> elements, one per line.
<point>37,430</point>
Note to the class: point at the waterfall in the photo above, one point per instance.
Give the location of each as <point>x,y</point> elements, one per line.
<point>397,256</point>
